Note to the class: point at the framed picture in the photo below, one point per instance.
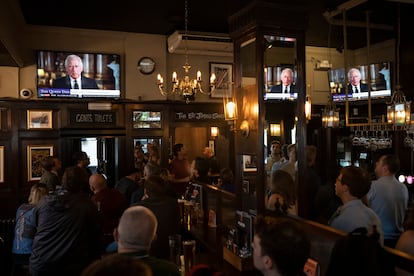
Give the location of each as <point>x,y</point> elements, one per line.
<point>39,119</point>
<point>35,155</point>
<point>211,146</point>
<point>146,119</point>
<point>249,163</point>
<point>224,79</point>
<point>246,186</point>
<point>1,164</point>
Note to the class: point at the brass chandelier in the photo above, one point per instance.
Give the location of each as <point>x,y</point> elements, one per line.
<point>185,87</point>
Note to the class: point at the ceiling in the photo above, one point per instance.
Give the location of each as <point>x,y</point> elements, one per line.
<point>206,16</point>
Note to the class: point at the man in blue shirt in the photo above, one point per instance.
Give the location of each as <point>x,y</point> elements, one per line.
<point>351,186</point>
<point>389,198</point>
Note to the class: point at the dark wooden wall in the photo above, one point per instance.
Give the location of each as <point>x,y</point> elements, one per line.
<point>66,131</point>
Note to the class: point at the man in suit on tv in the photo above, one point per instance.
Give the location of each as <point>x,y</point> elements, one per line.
<point>287,85</point>
<point>355,86</point>
<point>74,78</point>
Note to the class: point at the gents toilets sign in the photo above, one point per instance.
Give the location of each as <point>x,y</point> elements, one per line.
<point>92,118</point>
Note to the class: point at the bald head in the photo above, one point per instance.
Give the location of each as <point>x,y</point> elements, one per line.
<point>136,229</point>
<point>97,182</point>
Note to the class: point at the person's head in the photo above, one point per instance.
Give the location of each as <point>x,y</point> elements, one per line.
<point>74,179</point>
<point>134,173</point>
<point>97,182</point>
<point>280,246</point>
<point>310,152</point>
<point>74,66</point>
<point>177,149</point>
<point>155,186</point>
<point>282,183</point>
<point>207,152</point>
<point>164,174</point>
<point>354,76</point>
<point>284,151</point>
<point>117,264</point>
<point>291,150</point>
<point>352,182</point>
<point>47,163</point>
<point>151,169</point>
<point>136,229</point>
<point>81,159</point>
<point>226,175</point>
<point>388,164</point>
<point>275,147</point>
<point>57,164</point>
<point>37,191</point>
<point>286,76</point>
<point>153,150</point>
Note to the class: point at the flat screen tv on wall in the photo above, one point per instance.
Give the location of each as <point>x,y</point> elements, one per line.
<point>375,77</point>
<point>57,71</point>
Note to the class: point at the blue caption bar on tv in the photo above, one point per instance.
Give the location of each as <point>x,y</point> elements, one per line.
<point>78,93</point>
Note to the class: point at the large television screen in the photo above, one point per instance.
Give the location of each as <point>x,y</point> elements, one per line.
<point>358,80</point>
<point>78,75</point>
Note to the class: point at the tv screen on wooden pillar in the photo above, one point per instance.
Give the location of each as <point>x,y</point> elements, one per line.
<point>78,75</point>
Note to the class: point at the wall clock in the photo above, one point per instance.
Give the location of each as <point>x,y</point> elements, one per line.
<point>146,65</point>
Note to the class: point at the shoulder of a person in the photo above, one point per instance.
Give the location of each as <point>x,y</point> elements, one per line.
<point>406,242</point>
<point>162,267</point>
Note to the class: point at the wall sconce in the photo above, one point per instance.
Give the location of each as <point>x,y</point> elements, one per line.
<point>274,130</point>
<point>230,109</point>
<point>308,108</point>
<point>214,131</point>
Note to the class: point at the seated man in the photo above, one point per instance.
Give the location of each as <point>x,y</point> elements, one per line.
<point>280,247</point>
<point>134,235</point>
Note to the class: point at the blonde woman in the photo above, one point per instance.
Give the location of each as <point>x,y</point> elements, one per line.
<point>25,228</point>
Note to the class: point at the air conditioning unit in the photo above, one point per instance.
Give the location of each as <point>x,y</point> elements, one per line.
<point>323,65</point>
<point>198,43</point>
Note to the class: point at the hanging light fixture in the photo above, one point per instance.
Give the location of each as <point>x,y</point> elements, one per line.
<point>330,115</point>
<point>398,109</point>
<point>186,86</point>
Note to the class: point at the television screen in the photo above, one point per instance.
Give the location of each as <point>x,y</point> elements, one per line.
<point>78,75</point>
<point>375,77</point>
<point>280,83</point>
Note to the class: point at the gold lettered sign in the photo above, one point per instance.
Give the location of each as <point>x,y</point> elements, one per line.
<point>199,116</point>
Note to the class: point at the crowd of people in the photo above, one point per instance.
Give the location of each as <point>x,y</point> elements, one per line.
<point>357,202</point>
<point>73,219</point>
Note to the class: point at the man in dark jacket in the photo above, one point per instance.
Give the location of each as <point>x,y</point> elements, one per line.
<point>67,234</point>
